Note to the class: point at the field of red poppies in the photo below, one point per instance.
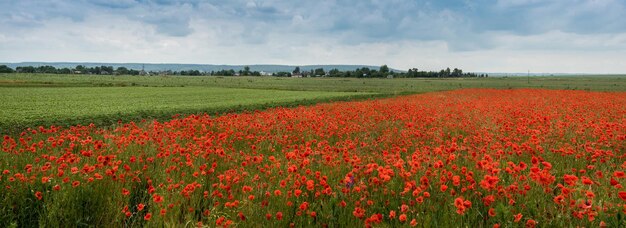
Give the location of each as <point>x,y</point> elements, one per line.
<point>466,158</point>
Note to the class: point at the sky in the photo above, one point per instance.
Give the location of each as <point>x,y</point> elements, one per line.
<point>566,36</point>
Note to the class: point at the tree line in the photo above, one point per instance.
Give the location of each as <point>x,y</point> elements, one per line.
<point>364,72</point>
<point>382,72</point>
<point>109,70</point>
<point>80,69</point>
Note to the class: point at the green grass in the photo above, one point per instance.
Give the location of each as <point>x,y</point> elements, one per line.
<point>33,106</point>
<point>388,86</point>
<point>30,100</point>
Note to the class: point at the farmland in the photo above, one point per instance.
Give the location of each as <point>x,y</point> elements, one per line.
<point>394,86</point>
<point>33,106</point>
<point>168,151</point>
<point>467,158</point>
<point>32,100</point>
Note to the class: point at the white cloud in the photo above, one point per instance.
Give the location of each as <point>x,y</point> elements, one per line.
<point>582,37</point>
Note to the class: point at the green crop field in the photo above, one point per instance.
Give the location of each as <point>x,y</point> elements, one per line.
<point>33,106</point>
<point>30,100</point>
<point>389,86</point>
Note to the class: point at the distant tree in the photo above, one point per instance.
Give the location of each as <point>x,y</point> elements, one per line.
<point>375,74</point>
<point>190,72</point>
<point>64,70</point>
<point>455,73</point>
<point>246,71</point>
<point>134,72</point>
<point>335,73</point>
<point>121,71</point>
<point>94,70</point>
<point>230,72</point>
<point>6,69</point>
<point>106,70</point>
<point>25,69</point>
<point>282,74</point>
<point>46,70</point>
<point>80,69</point>
<point>297,70</point>
<point>319,72</point>
<point>384,69</point>
<point>363,72</point>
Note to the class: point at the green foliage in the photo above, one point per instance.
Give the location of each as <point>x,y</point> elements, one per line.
<point>138,194</point>
<point>6,69</point>
<point>384,69</point>
<point>32,107</point>
<point>22,209</point>
<point>81,207</point>
<point>282,74</point>
<point>319,72</point>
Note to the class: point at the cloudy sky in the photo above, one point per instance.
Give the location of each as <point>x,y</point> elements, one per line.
<point>475,35</point>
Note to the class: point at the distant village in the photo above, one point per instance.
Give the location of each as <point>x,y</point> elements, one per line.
<point>363,72</point>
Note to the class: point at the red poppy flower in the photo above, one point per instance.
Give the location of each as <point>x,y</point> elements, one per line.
<point>517,217</point>
<point>622,195</point>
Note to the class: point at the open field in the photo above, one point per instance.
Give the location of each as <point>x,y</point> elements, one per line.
<point>31,100</point>
<point>34,106</point>
<point>391,86</point>
<point>464,158</point>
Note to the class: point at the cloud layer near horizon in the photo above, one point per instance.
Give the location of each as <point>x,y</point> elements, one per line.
<point>480,35</point>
